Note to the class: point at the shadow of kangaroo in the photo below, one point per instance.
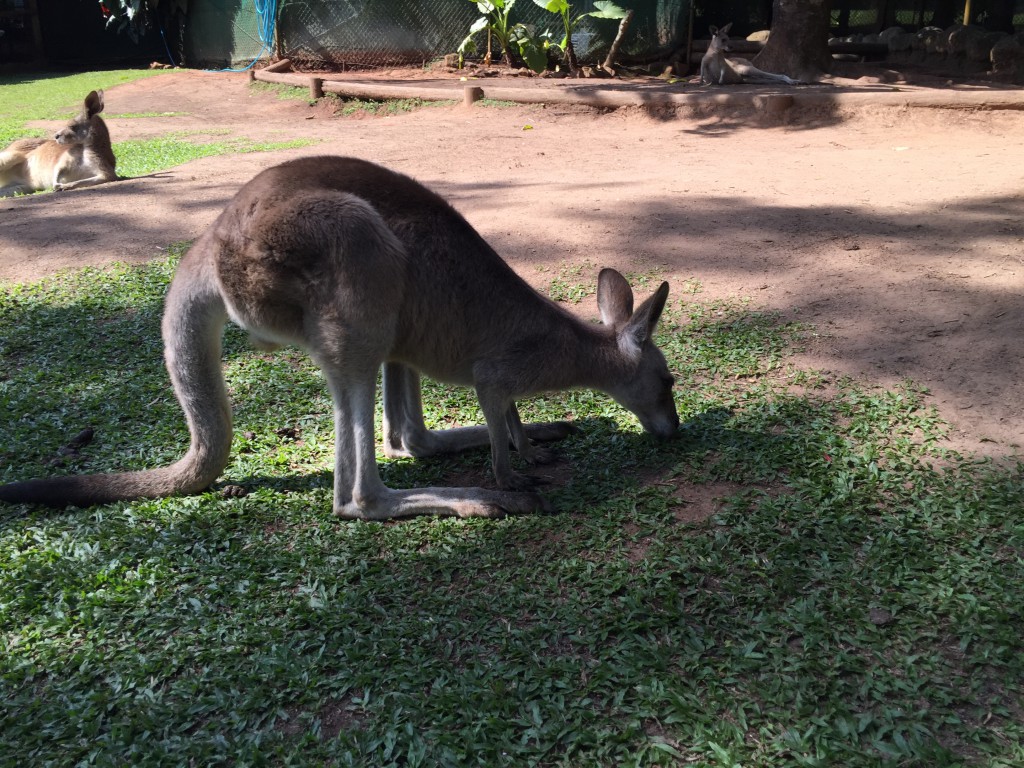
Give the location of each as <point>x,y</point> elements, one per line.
<point>79,155</point>
<point>716,68</point>
<point>364,268</point>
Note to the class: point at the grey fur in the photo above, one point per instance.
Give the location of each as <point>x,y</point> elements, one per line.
<point>79,155</point>
<point>364,268</point>
<point>717,69</point>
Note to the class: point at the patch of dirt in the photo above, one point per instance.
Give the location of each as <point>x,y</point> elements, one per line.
<point>897,232</point>
<point>696,503</point>
<point>332,718</point>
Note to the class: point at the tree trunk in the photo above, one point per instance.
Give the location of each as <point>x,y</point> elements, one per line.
<point>570,57</point>
<point>798,44</point>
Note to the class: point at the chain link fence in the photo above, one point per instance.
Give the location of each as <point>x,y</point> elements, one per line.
<point>872,16</point>
<point>376,33</point>
<point>223,33</point>
<point>343,34</point>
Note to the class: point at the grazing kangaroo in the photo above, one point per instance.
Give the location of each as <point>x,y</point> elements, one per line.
<point>364,267</point>
<point>716,68</point>
<point>79,155</point>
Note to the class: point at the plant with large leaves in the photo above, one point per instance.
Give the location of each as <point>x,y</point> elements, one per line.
<point>514,40</point>
<point>604,9</point>
<point>135,16</point>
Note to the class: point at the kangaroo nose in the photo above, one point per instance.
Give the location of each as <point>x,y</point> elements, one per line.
<point>668,430</point>
<point>663,427</point>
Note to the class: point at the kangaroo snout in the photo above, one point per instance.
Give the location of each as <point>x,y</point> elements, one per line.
<point>664,425</point>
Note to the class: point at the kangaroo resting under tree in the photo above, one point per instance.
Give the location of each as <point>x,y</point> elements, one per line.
<point>717,68</point>
<point>364,268</point>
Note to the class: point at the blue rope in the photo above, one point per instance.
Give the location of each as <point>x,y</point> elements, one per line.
<point>167,47</point>
<point>266,11</point>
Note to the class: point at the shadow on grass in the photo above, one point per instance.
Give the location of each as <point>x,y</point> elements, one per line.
<point>845,600</point>
<point>872,610</point>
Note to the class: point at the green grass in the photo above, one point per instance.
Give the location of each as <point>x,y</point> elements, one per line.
<point>58,98</point>
<point>852,600</point>
<point>496,103</point>
<point>348,107</point>
<point>139,157</point>
<point>387,107</point>
<point>282,91</point>
<point>51,97</point>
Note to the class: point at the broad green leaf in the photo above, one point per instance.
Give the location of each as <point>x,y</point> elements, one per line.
<point>468,45</point>
<point>533,55</point>
<point>554,6</point>
<point>607,10</point>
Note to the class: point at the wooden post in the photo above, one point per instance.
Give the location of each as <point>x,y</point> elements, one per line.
<point>38,52</point>
<point>472,93</point>
<point>316,88</point>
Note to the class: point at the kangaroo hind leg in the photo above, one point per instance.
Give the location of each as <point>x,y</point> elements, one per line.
<point>406,433</point>
<point>359,492</point>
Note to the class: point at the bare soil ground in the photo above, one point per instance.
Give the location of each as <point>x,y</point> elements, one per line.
<point>897,232</point>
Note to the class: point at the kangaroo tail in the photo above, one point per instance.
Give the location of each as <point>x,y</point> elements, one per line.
<point>193,322</point>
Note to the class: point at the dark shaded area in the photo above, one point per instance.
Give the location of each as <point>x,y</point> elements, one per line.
<point>75,34</point>
<point>656,627</point>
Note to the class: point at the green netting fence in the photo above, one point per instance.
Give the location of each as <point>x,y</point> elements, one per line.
<point>339,34</point>
<point>374,33</point>
<point>223,33</point>
<point>381,32</point>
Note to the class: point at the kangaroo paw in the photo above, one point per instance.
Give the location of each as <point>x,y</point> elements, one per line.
<point>518,504</point>
<point>539,455</point>
<point>514,481</point>
<point>449,502</point>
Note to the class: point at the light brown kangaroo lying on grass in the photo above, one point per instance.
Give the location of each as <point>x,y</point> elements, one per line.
<point>716,68</point>
<point>364,267</point>
<point>79,155</point>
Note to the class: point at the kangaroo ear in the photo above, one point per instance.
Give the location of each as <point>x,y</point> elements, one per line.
<point>614,297</point>
<point>641,326</point>
<point>713,30</point>
<point>94,103</point>
<point>726,28</point>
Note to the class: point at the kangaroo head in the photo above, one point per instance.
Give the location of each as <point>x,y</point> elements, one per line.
<point>646,387</point>
<point>78,129</point>
<point>719,38</point>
